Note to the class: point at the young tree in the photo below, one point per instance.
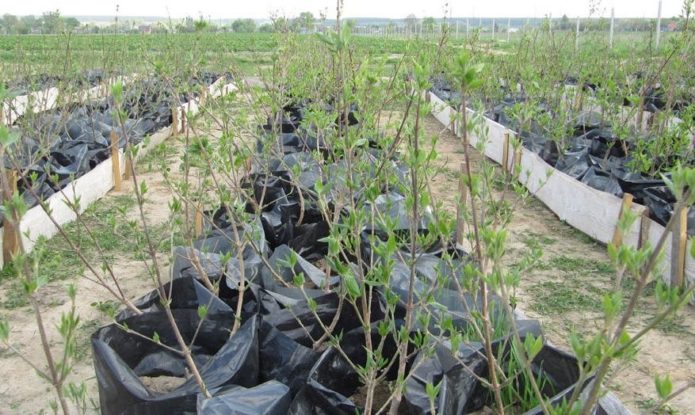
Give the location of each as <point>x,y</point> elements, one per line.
<point>306,21</point>
<point>428,24</point>
<point>52,22</point>
<point>411,22</point>
<point>244,26</point>
<point>71,23</point>
<point>10,23</point>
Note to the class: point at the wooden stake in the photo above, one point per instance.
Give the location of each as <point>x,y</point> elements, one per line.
<point>11,233</point>
<point>626,205</point>
<point>198,220</point>
<point>505,153</point>
<point>460,207</point>
<point>579,97</point>
<point>115,161</point>
<point>517,159</point>
<point>679,245</point>
<point>644,226</point>
<point>128,167</point>
<point>174,122</point>
<point>203,96</point>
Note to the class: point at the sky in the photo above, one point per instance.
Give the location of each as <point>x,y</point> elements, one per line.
<point>261,9</point>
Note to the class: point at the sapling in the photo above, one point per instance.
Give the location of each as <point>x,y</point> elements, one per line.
<point>614,342</point>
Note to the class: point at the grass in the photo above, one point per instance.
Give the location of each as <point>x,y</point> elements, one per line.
<point>582,266</point>
<point>84,332</point>
<point>556,297</point>
<point>576,292</point>
<point>675,326</point>
<point>536,240</point>
<point>114,235</point>
<point>153,159</point>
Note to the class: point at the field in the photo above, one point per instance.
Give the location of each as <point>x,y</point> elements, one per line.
<point>314,240</point>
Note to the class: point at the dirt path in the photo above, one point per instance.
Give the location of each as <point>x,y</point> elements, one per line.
<point>565,291</point>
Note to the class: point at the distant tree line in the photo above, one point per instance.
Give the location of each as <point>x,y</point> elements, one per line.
<point>48,23</point>
<point>304,23</point>
<point>52,22</point>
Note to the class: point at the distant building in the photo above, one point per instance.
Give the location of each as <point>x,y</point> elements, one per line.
<point>145,29</point>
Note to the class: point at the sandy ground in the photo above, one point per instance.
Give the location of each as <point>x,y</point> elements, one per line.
<point>661,352</point>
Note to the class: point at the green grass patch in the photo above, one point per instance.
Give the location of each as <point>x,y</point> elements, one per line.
<point>553,297</point>
<point>112,236</point>
<point>577,265</point>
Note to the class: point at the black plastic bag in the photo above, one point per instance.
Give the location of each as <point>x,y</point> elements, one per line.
<point>602,180</point>
<point>120,359</point>
<point>331,381</point>
<point>187,293</point>
<point>270,398</point>
<point>283,359</point>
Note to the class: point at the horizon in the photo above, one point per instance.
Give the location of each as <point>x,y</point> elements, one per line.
<point>387,9</point>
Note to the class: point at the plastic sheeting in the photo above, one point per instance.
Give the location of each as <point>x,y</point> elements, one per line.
<point>274,363</point>
<point>594,156</point>
<point>66,143</point>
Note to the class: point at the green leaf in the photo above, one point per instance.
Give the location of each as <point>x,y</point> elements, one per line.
<point>155,337</point>
<point>533,345</point>
<point>117,91</point>
<point>4,330</point>
<point>299,279</point>
<point>353,288</point>
<point>360,142</point>
<point>202,311</point>
<point>7,138</point>
<point>663,386</point>
<point>432,391</point>
<point>72,291</point>
<point>577,346</point>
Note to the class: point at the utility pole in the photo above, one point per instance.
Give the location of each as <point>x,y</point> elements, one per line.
<point>658,25</point>
<point>610,36</point>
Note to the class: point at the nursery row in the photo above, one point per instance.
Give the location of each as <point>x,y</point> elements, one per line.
<point>268,258</point>
<point>594,158</point>
<point>58,146</point>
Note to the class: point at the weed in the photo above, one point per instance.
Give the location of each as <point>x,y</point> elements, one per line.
<point>536,240</point>
<point>580,265</point>
<point>555,297</point>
